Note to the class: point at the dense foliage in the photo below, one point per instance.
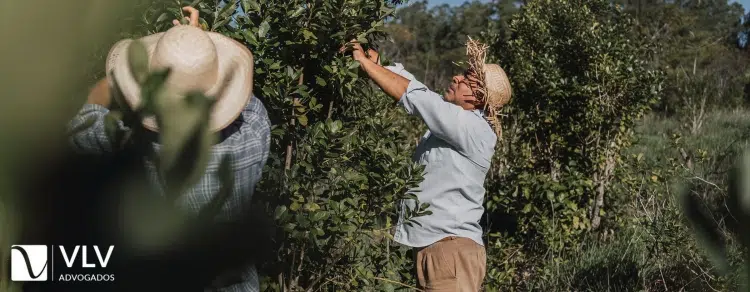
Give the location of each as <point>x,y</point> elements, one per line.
<point>582,192</point>
<point>340,161</point>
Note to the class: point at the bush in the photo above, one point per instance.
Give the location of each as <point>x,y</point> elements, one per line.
<point>340,160</point>
<point>580,85</point>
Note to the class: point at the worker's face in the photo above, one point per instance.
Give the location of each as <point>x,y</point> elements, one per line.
<point>460,92</point>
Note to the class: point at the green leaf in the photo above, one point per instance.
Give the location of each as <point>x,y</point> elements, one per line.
<point>294,207</point>
<point>319,216</point>
<point>138,61</point>
<point>290,226</point>
<point>279,212</point>
<point>162,17</point>
<point>227,10</point>
<point>220,24</point>
<point>308,35</point>
<point>224,15</point>
<point>263,29</point>
<point>706,230</point>
<point>336,126</point>
<point>290,71</point>
<point>151,88</point>
<point>312,207</point>
<point>298,12</point>
<point>111,127</point>
<point>354,65</point>
<point>320,81</point>
<point>302,120</point>
<point>250,5</point>
<point>527,208</point>
<point>184,137</point>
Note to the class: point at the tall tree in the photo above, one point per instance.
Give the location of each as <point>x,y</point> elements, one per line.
<point>695,36</point>
<point>579,86</point>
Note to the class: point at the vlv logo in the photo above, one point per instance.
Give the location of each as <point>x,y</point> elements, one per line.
<point>32,262</point>
<point>69,259</point>
<point>28,263</point>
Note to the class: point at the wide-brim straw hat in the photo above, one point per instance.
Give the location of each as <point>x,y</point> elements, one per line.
<point>494,90</point>
<point>497,86</point>
<point>199,61</point>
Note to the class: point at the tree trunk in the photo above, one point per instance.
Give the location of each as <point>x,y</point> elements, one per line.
<point>601,179</point>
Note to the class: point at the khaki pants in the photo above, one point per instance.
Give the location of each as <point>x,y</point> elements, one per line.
<point>452,264</point>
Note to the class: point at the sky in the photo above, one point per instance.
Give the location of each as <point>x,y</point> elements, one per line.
<point>745,3</point>
<point>458,2</point>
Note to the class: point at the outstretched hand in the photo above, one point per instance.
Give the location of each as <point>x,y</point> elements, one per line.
<point>392,84</point>
<point>358,53</point>
<point>193,19</point>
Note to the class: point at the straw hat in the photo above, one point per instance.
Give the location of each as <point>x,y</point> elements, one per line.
<point>494,89</point>
<point>497,86</point>
<point>199,60</point>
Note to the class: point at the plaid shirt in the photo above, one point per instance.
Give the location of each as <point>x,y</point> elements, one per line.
<point>248,145</point>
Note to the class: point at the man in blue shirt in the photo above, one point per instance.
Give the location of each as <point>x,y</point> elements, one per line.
<point>456,151</point>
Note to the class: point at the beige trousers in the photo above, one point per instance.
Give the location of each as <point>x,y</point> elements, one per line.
<point>452,264</point>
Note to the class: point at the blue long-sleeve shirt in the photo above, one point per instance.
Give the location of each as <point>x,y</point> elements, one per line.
<point>456,151</point>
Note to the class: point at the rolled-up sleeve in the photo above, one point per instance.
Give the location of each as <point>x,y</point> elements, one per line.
<point>86,131</point>
<point>445,120</point>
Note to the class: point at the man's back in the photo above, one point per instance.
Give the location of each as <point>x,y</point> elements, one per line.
<point>246,141</point>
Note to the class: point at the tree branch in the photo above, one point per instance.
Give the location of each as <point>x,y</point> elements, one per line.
<point>292,122</point>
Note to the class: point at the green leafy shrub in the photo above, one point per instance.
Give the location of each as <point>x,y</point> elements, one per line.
<point>580,85</point>
<point>340,160</point>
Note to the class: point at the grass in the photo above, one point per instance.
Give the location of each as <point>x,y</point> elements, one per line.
<point>656,250</point>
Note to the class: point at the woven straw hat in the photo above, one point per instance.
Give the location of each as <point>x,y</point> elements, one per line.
<point>199,60</point>
<point>497,86</point>
<point>494,89</point>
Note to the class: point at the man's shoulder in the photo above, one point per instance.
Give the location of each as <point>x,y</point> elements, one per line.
<point>256,108</point>
<point>250,130</point>
<point>482,130</point>
<point>255,115</point>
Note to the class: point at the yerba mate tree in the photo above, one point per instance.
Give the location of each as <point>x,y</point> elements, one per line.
<point>580,83</point>
<point>340,161</point>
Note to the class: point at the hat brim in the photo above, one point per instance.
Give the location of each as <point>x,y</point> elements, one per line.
<point>229,104</point>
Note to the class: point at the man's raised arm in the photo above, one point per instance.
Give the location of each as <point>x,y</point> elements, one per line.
<point>445,120</point>
<point>392,84</point>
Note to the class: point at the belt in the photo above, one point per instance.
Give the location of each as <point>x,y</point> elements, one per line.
<point>449,238</point>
